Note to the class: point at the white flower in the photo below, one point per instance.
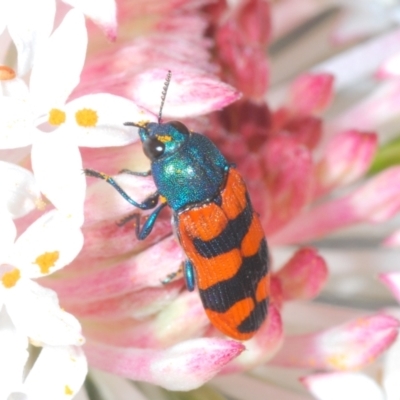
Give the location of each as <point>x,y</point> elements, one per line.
<point>30,28</point>
<point>49,244</point>
<point>92,121</point>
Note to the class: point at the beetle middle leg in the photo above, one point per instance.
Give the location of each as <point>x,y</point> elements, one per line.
<point>143,231</point>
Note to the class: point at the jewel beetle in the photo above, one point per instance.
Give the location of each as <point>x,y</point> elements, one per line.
<point>216,225</point>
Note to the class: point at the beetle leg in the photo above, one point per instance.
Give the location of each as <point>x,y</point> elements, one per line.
<point>147,204</point>
<point>128,171</point>
<point>189,275</point>
<point>147,227</point>
<point>170,277</point>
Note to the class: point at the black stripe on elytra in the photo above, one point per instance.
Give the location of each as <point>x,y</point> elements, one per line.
<point>223,295</point>
<point>255,319</point>
<point>230,238</point>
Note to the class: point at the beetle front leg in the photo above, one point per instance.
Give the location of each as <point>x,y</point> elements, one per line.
<point>147,204</point>
<point>128,171</point>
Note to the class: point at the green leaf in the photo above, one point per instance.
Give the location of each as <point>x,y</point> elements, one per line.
<point>387,156</point>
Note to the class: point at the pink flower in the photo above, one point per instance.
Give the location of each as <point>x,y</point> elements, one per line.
<point>306,177</point>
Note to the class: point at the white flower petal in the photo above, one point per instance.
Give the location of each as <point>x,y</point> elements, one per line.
<point>57,165</point>
<point>35,312</point>
<point>391,372</point>
<point>111,112</point>
<point>14,354</point>
<point>31,22</point>
<point>58,373</point>
<point>59,64</point>
<point>343,386</point>
<point>8,232</point>
<point>4,10</point>
<point>103,13</point>
<point>19,190</point>
<point>116,386</point>
<point>16,88</point>
<point>16,123</point>
<point>49,244</point>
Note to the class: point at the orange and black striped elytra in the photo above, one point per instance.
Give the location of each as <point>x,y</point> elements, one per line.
<point>220,233</point>
<point>225,242</point>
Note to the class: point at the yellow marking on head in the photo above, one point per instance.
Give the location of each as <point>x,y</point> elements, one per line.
<point>47,260</point>
<point>163,199</point>
<point>164,138</point>
<point>142,124</point>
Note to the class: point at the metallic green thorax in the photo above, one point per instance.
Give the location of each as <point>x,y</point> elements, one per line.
<point>189,169</point>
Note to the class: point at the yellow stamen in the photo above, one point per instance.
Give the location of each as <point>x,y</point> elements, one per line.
<point>164,139</point>
<point>6,73</point>
<point>41,204</point>
<point>56,116</point>
<point>68,391</point>
<point>86,117</point>
<point>9,279</point>
<point>46,261</point>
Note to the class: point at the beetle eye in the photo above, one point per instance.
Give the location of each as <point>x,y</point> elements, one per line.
<point>181,128</point>
<point>153,148</point>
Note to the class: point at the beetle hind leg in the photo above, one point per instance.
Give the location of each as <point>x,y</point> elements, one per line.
<point>173,275</point>
<point>187,270</point>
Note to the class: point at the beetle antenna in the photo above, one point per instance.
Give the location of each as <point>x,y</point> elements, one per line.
<point>164,94</point>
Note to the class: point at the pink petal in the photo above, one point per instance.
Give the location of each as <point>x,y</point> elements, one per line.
<point>145,269</point>
<point>130,156</point>
<point>311,93</point>
<point>263,346</point>
<point>346,158</point>
<point>106,240</point>
<point>189,94</point>
<point>393,240</point>
<point>373,111</point>
<point>360,61</point>
<point>103,13</point>
<point>245,67</point>
<point>390,68</point>
<point>376,201</point>
<point>343,386</point>
<point>349,346</point>
<point>392,281</point>
<point>303,276</point>
<point>304,128</point>
<point>289,179</point>
<point>254,20</point>
<point>104,202</point>
<point>379,199</point>
<point>359,22</point>
<point>285,20</point>
<point>137,305</point>
<point>185,366</point>
<point>182,319</point>
<point>247,387</point>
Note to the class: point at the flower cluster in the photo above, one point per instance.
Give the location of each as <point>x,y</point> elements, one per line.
<point>76,289</point>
